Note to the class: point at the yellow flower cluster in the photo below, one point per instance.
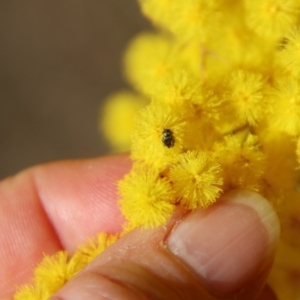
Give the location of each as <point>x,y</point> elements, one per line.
<point>223,83</point>
<point>216,107</point>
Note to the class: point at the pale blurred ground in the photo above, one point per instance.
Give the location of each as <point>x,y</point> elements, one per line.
<point>58,61</point>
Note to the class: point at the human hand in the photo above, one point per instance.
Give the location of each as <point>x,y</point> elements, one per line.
<point>223,252</point>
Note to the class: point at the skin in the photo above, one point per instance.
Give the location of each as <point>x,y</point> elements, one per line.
<point>59,205</point>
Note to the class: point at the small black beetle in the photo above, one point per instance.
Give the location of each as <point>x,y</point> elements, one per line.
<point>168,138</point>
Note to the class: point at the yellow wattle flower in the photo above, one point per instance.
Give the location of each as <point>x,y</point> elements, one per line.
<point>290,52</point>
<point>93,247</point>
<point>147,198</point>
<point>147,59</point>
<point>196,179</point>
<point>117,117</point>
<point>285,105</point>
<point>246,93</point>
<point>271,19</point>
<point>32,292</point>
<point>242,162</point>
<point>148,145</point>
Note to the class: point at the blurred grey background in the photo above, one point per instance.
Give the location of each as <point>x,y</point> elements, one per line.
<point>58,60</point>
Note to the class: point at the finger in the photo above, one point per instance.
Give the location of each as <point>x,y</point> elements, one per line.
<point>223,251</point>
<point>52,207</point>
<point>81,198</point>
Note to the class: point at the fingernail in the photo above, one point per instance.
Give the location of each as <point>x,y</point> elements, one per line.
<point>230,243</point>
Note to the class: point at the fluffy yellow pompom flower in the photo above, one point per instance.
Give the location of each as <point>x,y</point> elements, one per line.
<point>193,19</point>
<point>94,247</point>
<point>117,118</point>
<point>179,89</point>
<point>146,198</point>
<point>49,276</point>
<point>271,18</point>
<point>147,59</point>
<point>285,114</point>
<point>32,292</point>
<point>196,179</point>
<point>290,53</point>
<point>279,178</point>
<point>188,19</point>
<point>54,271</point>
<point>245,92</point>
<point>242,162</point>
<point>182,91</point>
<point>158,136</point>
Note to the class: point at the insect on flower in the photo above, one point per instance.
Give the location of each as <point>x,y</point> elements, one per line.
<point>168,138</point>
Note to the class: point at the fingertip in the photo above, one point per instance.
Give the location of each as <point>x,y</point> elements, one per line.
<point>229,244</point>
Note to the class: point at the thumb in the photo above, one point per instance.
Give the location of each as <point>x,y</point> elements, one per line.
<point>224,251</point>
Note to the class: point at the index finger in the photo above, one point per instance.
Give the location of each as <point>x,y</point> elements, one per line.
<point>52,207</point>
